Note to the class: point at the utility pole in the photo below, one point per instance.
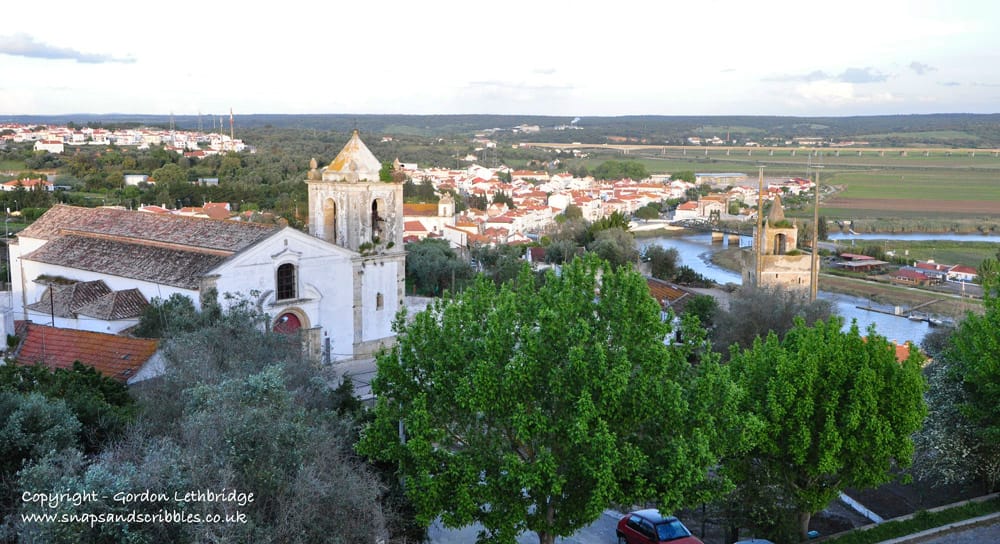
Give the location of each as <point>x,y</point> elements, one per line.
<point>758,242</point>
<point>814,267</point>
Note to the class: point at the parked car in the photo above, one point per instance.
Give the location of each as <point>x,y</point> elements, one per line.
<point>649,526</point>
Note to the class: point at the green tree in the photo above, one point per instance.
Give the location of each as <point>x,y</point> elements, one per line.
<point>573,212</point>
<point>611,170</point>
<point>704,307</point>
<point>432,266</point>
<point>560,251</point>
<point>503,198</point>
<point>649,211</point>
<point>662,261</point>
<point>31,426</point>
<point>163,318</point>
<point>988,271</point>
<point>102,405</point>
<point>615,246</point>
<point>752,313</point>
<point>839,411</point>
<point>617,220</point>
<point>529,408</point>
<point>684,175</point>
<point>169,173</point>
<point>964,429</point>
<point>502,262</point>
<point>823,233</point>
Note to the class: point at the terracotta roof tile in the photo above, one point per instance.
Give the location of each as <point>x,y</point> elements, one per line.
<point>65,299</point>
<point>117,357</point>
<point>172,229</point>
<point>129,260</point>
<point>125,304</point>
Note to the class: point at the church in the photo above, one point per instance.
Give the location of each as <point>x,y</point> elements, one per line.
<point>340,284</point>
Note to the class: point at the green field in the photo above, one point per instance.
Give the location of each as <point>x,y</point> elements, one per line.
<point>917,184</point>
<point>942,251</point>
<point>11,166</point>
<point>917,136</point>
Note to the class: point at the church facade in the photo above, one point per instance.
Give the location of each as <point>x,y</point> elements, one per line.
<point>340,284</point>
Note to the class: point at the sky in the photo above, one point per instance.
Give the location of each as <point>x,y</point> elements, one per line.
<point>542,57</point>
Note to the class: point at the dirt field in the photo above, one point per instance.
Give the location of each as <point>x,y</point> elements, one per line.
<point>971,207</point>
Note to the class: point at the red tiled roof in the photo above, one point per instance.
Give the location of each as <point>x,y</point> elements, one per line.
<point>663,292</point>
<point>117,357</point>
<point>911,275</point>
<point>424,210</point>
<point>414,226</point>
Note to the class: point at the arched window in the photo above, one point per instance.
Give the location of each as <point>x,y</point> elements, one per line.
<point>285,284</point>
<point>379,301</point>
<point>378,218</point>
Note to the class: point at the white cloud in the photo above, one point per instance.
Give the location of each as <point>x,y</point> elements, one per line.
<point>838,93</point>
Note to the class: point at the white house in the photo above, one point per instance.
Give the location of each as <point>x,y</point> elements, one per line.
<point>52,146</point>
<point>96,268</point>
<point>27,184</point>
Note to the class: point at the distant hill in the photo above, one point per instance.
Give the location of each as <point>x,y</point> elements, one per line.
<point>945,130</point>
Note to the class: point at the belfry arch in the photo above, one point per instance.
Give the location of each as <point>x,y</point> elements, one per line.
<point>330,220</point>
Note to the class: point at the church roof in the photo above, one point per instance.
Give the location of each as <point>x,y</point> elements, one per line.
<point>189,232</point>
<point>354,163</point>
<point>145,262</point>
<point>777,212</point>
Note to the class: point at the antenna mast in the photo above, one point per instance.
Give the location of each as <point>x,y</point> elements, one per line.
<point>759,242</point>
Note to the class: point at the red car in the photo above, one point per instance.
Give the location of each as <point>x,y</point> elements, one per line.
<point>651,527</point>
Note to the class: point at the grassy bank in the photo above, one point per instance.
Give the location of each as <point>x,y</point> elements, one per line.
<point>921,521</point>
<point>877,293</point>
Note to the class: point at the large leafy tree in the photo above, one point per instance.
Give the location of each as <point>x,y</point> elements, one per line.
<point>533,407</point>
<point>960,440</point>
<point>663,261</point>
<point>616,246</point>
<point>754,312</point>
<point>432,266</point>
<point>839,411</point>
<point>101,405</point>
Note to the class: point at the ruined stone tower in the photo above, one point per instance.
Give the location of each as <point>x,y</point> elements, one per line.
<point>780,262</point>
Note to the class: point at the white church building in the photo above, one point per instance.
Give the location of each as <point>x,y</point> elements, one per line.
<point>340,284</point>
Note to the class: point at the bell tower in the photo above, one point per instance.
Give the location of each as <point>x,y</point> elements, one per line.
<point>351,208</point>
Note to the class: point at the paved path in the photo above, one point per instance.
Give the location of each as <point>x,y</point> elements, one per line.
<point>977,535</point>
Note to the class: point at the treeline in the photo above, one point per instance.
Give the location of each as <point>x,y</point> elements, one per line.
<point>983,129</point>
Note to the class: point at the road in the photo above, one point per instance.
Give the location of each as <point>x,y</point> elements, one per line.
<point>601,531</point>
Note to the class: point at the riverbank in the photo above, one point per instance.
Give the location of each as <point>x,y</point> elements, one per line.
<point>879,294</point>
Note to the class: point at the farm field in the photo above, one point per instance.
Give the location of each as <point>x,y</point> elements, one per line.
<point>936,187</point>
<point>11,166</point>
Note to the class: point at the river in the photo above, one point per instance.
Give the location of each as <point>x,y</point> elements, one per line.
<point>695,251</point>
